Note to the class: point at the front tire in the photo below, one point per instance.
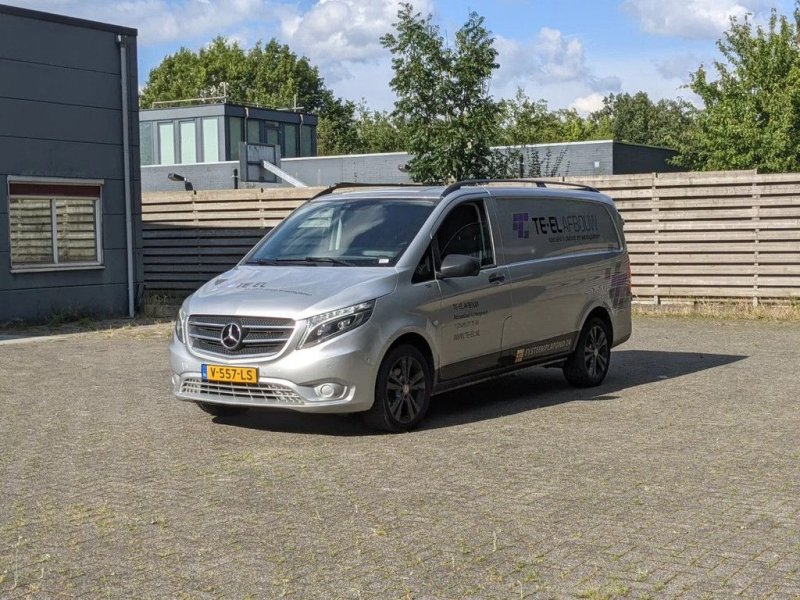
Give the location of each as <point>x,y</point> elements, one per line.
<point>221,410</point>
<point>402,391</point>
<point>588,364</point>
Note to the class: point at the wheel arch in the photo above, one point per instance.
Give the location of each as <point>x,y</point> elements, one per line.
<point>602,313</point>
<point>419,342</point>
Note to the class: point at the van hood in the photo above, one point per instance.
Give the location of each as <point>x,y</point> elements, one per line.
<point>290,292</point>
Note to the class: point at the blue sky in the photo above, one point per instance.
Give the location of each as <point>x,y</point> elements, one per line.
<point>571,53</point>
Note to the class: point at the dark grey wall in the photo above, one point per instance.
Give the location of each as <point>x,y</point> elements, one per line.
<point>61,116</point>
<point>633,158</point>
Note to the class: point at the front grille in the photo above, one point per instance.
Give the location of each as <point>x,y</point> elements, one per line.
<point>261,336</point>
<point>268,394</point>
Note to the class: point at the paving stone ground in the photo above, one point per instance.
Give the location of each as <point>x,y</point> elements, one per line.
<point>679,477</point>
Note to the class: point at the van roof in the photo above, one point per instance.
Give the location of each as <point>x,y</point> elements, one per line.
<point>436,193</point>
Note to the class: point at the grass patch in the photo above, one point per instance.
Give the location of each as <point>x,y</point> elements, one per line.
<point>709,309</point>
<point>158,327</point>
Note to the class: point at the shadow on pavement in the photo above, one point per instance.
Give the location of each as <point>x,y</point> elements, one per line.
<point>519,392</point>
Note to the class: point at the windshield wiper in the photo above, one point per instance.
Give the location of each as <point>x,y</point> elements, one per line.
<point>328,259</point>
<point>299,261</point>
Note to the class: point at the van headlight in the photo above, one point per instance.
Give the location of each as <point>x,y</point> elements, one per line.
<point>330,324</point>
<point>179,325</point>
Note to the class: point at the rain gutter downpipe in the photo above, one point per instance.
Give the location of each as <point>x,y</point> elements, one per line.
<point>126,154</point>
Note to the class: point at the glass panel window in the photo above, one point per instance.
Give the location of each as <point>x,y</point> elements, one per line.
<point>306,140</point>
<point>210,139</point>
<point>289,141</point>
<point>166,143</point>
<point>54,225</point>
<point>188,142</point>
<point>76,227</point>
<point>253,131</point>
<point>31,231</point>
<point>273,137</point>
<point>234,136</point>
<point>146,145</point>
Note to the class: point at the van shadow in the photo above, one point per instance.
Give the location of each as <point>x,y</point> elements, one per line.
<point>518,392</point>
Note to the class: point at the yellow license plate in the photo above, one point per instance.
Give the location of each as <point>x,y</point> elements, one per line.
<point>229,374</point>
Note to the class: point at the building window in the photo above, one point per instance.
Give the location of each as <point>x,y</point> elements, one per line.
<point>166,143</point>
<point>253,131</point>
<point>54,225</point>
<point>210,139</point>
<point>146,143</point>
<point>234,136</point>
<point>273,134</point>
<point>289,141</point>
<point>188,142</point>
<point>306,140</point>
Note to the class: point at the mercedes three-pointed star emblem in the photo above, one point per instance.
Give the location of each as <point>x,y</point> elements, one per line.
<point>231,336</point>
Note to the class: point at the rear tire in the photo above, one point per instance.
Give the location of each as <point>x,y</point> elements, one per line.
<point>402,391</point>
<point>222,410</point>
<point>588,364</point>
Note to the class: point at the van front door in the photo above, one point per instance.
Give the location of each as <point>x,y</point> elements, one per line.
<point>474,308</point>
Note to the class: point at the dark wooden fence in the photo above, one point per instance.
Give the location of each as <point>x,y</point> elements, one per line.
<point>725,235</point>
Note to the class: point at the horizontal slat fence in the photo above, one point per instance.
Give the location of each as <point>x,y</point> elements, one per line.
<point>189,237</point>
<point>721,235</point>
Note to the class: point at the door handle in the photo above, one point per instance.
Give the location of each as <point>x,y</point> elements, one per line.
<point>496,279</point>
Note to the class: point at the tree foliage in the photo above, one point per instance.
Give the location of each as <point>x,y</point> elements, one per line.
<point>269,74</point>
<point>443,104</point>
<point>525,121</point>
<point>751,117</point>
<point>638,120</point>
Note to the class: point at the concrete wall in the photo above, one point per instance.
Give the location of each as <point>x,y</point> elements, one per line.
<point>61,116</point>
<point>576,159</point>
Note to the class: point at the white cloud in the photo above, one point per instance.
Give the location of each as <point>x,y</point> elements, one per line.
<point>160,21</point>
<point>551,57</point>
<point>342,30</point>
<point>587,104</point>
<point>696,19</point>
<point>679,66</point>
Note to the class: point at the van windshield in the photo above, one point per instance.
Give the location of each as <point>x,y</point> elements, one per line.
<point>360,232</point>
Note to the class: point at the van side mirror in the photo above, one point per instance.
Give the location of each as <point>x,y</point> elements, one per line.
<point>459,265</point>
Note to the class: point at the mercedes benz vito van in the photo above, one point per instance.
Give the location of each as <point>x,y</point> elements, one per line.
<point>374,299</point>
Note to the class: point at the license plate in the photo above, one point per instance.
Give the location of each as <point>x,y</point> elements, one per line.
<point>228,374</point>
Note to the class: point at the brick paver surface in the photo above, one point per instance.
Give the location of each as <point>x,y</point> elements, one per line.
<point>679,477</point>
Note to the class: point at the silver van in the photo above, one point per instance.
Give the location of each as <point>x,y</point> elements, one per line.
<point>374,299</point>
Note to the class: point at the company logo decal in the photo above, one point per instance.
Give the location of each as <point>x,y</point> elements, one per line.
<point>567,228</point>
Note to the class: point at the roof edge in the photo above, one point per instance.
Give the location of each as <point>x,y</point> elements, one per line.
<point>66,20</point>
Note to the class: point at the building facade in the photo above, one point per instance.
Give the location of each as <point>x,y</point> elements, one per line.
<point>70,208</point>
<point>569,159</point>
<point>202,143</point>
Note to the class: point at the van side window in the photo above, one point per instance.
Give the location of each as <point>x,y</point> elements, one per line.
<point>537,227</point>
<point>466,231</point>
<point>424,270</point>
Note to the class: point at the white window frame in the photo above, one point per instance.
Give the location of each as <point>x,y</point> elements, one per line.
<point>98,222</point>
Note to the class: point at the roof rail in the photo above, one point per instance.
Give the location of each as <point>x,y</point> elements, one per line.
<point>539,183</point>
<point>344,184</point>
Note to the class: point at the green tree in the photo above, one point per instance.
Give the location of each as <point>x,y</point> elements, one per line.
<point>379,131</point>
<point>638,120</point>
<point>336,131</point>
<point>525,121</point>
<point>268,74</point>
<point>442,99</point>
<point>752,109</point>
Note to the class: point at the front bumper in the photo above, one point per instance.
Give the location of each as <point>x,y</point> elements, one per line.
<point>291,379</point>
